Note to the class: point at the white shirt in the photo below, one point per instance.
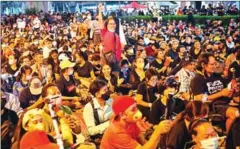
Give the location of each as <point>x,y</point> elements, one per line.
<point>104,114</point>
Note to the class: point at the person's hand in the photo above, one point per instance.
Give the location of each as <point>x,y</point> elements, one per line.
<point>143,125</point>
<point>225,92</point>
<point>73,123</point>
<point>120,81</point>
<point>163,127</point>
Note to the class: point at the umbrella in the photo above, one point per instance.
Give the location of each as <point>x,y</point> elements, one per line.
<point>134,5</point>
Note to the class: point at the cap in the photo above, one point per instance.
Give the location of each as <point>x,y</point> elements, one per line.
<point>66,64</point>
<point>121,103</point>
<point>29,115</point>
<point>36,140</point>
<point>35,86</point>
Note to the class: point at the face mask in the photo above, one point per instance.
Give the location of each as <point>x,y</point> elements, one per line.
<point>211,143</point>
<point>137,116</point>
<point>83,49</point>
<point>10,62</point>
<point>124,69</point>
<point>39,126</point>
<point>140,65</point>
<point>106,96</point>
<point>29,77</point>
<point>71,72</point>
<point>89,17</point>
<point>130,51</point>
<point>111,30</point>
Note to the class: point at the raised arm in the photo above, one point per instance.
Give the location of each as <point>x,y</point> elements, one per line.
<point>100,17</point>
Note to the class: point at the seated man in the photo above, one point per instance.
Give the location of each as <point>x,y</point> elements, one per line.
<point>97,113</point>
<point>208,82</point>
<point>203,134</point>
<point>127,127</point>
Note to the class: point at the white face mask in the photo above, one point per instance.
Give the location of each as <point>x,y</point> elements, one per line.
<point>54,43</point>
<point>39,126</point>
<point>10,62</point>
<point>130,51</point>
<point>29,77</point>
<point>56,99</point>
<point>111,30</point>
<point>71,72</point>
<point>211,143</point>
<point>83,49</point>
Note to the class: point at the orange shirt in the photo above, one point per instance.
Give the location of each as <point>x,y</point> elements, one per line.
<point>119,137</point>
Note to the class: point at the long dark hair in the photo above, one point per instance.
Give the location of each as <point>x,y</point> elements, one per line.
<point>192,109</point>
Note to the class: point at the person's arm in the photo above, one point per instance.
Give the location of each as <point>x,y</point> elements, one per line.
<point>223,93</point>
<point>139,99</point>
<point>100,17</point>
<point>88,117</point>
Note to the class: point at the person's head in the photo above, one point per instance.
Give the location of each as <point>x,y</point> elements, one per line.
<point>106,70</point>
<point>36,140</point>
<point>95,59</point>
<point>124,65</point>
<point>26,72</point>
<point>203,134</point>
<point>80,56</point>
<point>139,63</point>
<point>12,60</point>
<point>38,57</point>
<point>110,24</point>
<point>195,110</point>
<point>206,62</point>
<point>33,120</point>
<point>189,64</point>
<point>67,67</point>
<point>181,50</point>
<point>99,89</point>
<point>197,44</point>
<point>54,54</point>
<point>216,45</point>
<point>51,94</point>
<point>229,39</point>
<point>25,61</point>
<point>160,54</point>
<point>151,77</point>
<point>175,44</point>
<point>125,109</point>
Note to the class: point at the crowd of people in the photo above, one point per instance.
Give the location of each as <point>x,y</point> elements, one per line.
<point>86,82</point>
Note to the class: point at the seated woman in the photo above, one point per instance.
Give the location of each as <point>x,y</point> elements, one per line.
<point>125,87</point>
<point>83,69</point>
<point>179,135</point>
<point>111,79</point>
<point>160,64</point>
<point>147,93</point>
<point>53,63</point>
<point>22,82</point>
<point>137,74</point>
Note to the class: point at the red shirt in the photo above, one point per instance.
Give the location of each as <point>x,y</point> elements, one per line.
<point>108,42</point>
<point>150,51</point>
<point>119,137</point>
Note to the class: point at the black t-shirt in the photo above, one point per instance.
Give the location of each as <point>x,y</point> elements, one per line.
<point>147,92</point>
<point>84,71</point>
<point>203,84</point>
<point>67,88</point>
<point>178,136</point>
<point>27,99</point>
<point>134,79</point>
